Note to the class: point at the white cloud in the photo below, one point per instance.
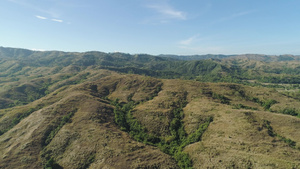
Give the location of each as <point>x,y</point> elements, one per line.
<point>189,40</point>
<point>40,17</point>
<point>167,12</point>
<point>57,20</point>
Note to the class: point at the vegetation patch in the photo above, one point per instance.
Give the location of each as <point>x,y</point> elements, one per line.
<point>172,145</point>
<point>266,104</point>
<point>250,117</point>
<point>290,111</point>
<point>51,164</point>
<point>267,124</point>
<point>222,98</point>
<point>241,106</point>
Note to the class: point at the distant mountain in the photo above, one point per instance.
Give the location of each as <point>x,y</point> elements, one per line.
<point>258,57</point>
<point>16,59</point>
<point>213,68</point>
<point>197,57</point>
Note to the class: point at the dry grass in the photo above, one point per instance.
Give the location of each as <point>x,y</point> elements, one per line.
<point>235,138</point>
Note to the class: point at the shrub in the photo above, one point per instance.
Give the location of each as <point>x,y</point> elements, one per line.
<point>268,103</point>
<point>172,145</point>
<point>289,111</point>
<point>223,99</point>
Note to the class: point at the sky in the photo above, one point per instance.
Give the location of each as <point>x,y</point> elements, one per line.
<point>182,27</point>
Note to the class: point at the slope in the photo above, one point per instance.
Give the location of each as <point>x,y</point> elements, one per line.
<point>75,126</point>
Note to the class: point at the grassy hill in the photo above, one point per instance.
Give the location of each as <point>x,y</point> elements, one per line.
<point>99,110</point>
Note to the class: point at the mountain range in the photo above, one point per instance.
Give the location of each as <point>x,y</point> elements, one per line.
<point>117,110</point>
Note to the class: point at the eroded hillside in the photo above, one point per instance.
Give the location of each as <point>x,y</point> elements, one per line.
<point>133,121</point>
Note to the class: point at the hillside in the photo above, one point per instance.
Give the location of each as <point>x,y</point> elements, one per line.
<point>75,127</point>
<point>104,110</point>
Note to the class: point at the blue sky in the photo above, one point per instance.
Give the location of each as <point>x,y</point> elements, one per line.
<point>153,26</point>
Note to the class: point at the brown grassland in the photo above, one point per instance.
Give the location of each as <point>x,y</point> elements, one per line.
<point>74,125</point>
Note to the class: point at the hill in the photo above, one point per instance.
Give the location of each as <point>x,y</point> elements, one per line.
<point>104,110</point>
<point>76,127</point>
<point>258,57</point>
